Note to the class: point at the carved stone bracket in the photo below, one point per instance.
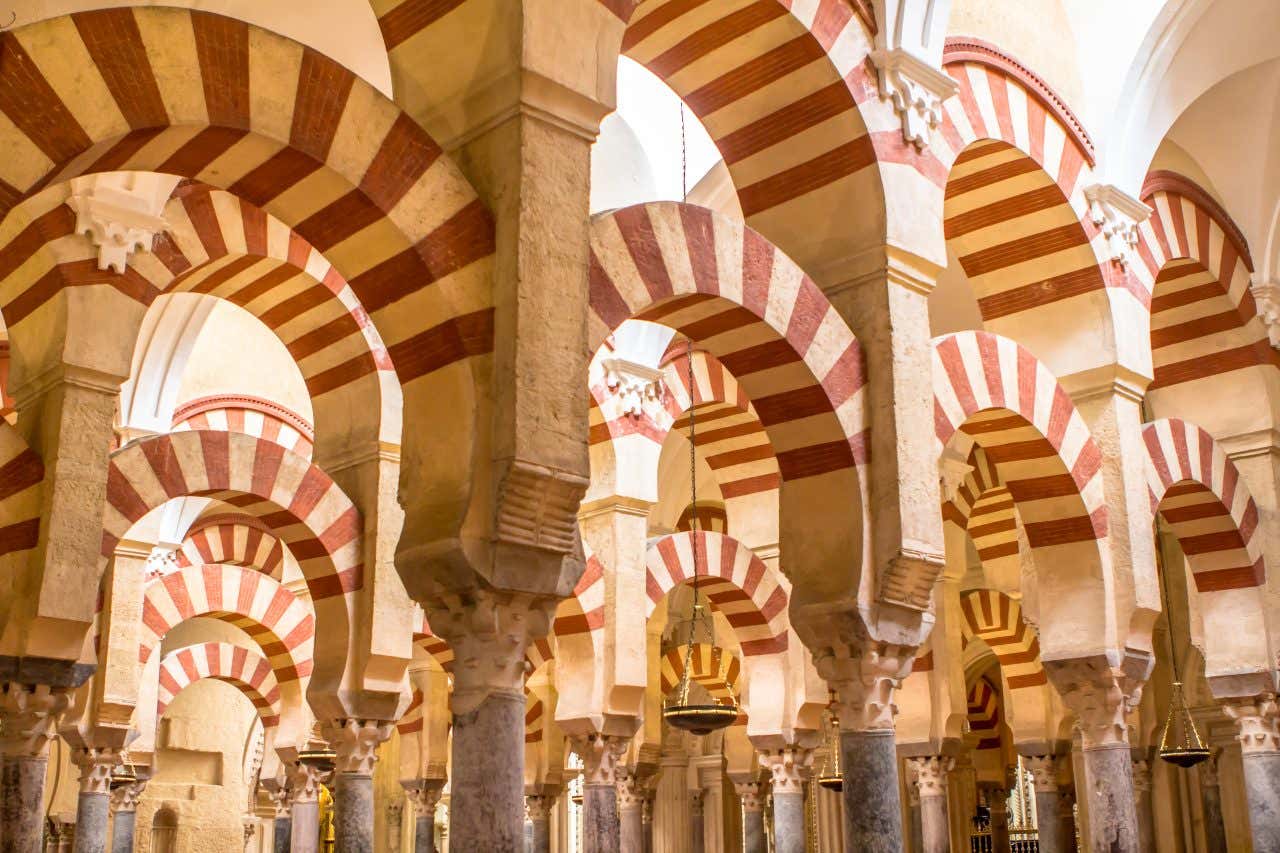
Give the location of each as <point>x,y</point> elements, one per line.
<point>600,754</point>
<point>788,768</point>
<point>917,90</point>
<point>29,717</point>
<point>1044,772</point>
<point>909,578</point>
<point>1257,720</point>
<point>1100,693</point>
<point>639,388</point>
<point>489,632</point>
<point>95,766</point>
<point>355,743</point>
<point>120,213</point>
<point>1118,215</point>
<point>538,507</point>
<point>1266,297</point>
<point>930,773</point>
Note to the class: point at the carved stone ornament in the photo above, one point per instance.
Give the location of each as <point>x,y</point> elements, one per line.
<point>862,672</point>
<point>538,507</point>
<point>1257,720</point>
<point>909,578</point>
<point>538,807</point>
<point>356,743</point>
<point>600,754</point>
<point>1118,215</point>
<point>639,388</point>
<point>631,789</point>
<point>752,795</point>
<point>120,213</point>
<point>489,632</point>
<point>930,772</point>
<point>95,768</point>
<point>788,768</point>
<point>917,90</point>
<point>424,794</point>
<point>304,783</point>
<point>29,717</point>
<point>1266,297</point>
<point>1095,690</point>
<point>280,795</point>
<point>125,798</point>
<point>1044,772</point>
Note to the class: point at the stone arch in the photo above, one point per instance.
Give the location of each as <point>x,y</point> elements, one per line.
<point>996,619</point>
<point>21,480</point>
<point>249,672</point>
<point>412,722</point>
<point>996,393</point>
<point>984,509</point>
<point>746,303</point>
<point>983,701</point>
<point>249,415</point>
<point>280,622</point>
<point>232,539</point>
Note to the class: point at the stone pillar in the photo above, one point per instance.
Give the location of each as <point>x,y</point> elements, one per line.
<point>697,833</point>
<point>94,803</point>
<point>1257,722</point>
<point>355,743</point>
<point>1067,820</point>
<point>998,803</point>
<point>29,721</point>
<point>930,772</point>
<point>788,768</point>
<point>1044,777</point>
<point>538,807</point>
<point>646,820</point>
<point>600,825</point>
<point>124,805</point>
<point>631,795</point>
<point>1142,804</point>
<point>424,794</point>
<point>282,824</point>
<point>915,825</point>
<point>752,794</point>
<point>304,783</point>
<point>1215,831</point>
<point>395,825</point>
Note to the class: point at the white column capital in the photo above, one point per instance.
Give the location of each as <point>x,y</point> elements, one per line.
<point>304,783</point>
<point>29,716</point>
<point>95,766</point>
<point>355,743</point>
<point>631,789</point>
<point>125,798</point>
<point>1118,215</point>
<point>1044,772</point>
<point>600,754</point>
<point>930,773</point>
<point>1266,298</point>
<point>1101,693</point>
<point>752,794</point>
<point>789,768</point>
<point>1257,720</point>
<point>917,90</point>
<point>120,212</point>
<point>423,793</point>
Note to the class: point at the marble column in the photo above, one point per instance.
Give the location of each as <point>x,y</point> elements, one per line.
<point>304,783</point>
<point>600,753</point>
<point>1142,804</point>
<point>697,832</point>
<point>538,807</point>
<point>94,802</point>
<point>124,807</point>
<point>930,772</point>
<point>631,794</point>
<point>355,744</point>
<point>1215,831</point>
<point>998,804</point>
<point>1067,820</point>
<point>646,820</point>
<point>1044,778</point>
<point>788,769</point>
<point>915,826</point>
<point>29,718</point>
<point>1257,722</point>
<point>282,823</point>
<point>752,794</point>
<point>424,794</point>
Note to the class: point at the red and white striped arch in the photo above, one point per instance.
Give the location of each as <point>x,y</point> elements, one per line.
<point>1197,267</point>
<point>985,510</point>
<point>246,670</point>
<point>1017,161</point>
<point>535,718</point>
<point>21,477</point>
<point>983,702</point>
<point>1198,490</point>
<point>996,619</point>
<point>1009,403</point>
<point>296,500</point>
<point>232,539</point>
<point>583,612</point>
<point>309,142</point>
<point>736,581</point>
<point>249,415</point>
<point>281,623</point>
<point>412,721</point>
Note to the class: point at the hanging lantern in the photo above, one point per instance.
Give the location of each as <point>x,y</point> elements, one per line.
<point>1181,744</point>
<point>678,710</point>
<point>320,757</point>
<point>829,776</point>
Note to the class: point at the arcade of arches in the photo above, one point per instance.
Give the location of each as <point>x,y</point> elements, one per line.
<point>389,384</point>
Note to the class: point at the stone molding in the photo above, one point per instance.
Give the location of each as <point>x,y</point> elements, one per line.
<point>930,773</point>
<point>96,764</point>
<point>424,794</point>
<point>1044,772</point>
<point>29,717</point>
<point>1118,215</point>
<point>639,388</point>
<point>600,754</point>
<point>120,212</point>
<point>355,743</point>
<point>125,798</point>
<point>304,783</point>
<point>917,91</point>
<point>752,794</point>
<point>489,632</point>
<point>1257,720</point>
<point>788,768</point>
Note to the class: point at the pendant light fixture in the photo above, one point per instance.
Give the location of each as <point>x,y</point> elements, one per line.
<point>678,710</point>
<point>829,776</point>
<point>1180,743</point>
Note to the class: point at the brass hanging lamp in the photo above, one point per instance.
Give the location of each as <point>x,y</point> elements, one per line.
<point>1180,743</point>
<point>829,776</point>
<point>678,710</point>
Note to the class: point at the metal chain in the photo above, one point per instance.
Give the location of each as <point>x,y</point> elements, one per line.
<point>694,521</point>
<point>684,159</point>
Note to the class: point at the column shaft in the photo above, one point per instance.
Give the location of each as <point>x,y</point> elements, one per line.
<point>486,807</point>
<point>1262,784</point>
<point>424,834</point>
<point>698,835</point>
<point>1215,832</point>
<point>305,827</point>
<point>935,834</point>
<point>788,822</point>
<point>917,825</point>
<point>92,808</point>
<point>122,832</point>
<point>353,813</point>
<point>631,834</point>
<point>22,801</point>
<point>600,829</point>
<point>872,808</point>
<point>1113,815</point>
<point>1067,822</point>
<point>540,836</point>
<point>1049,827</point>
<point>281,835</point>
<point>753,837</point>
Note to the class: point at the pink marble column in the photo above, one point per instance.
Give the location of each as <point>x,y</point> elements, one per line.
<point>930,773</point>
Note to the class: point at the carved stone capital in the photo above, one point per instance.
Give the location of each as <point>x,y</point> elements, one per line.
<point>489,632</point>
<point>120,213</point>
<point>538,807</point>
<point>125,798</point>
<point>631,788</point>
<point>930,773</point>
<point>788,768</point>
<point>355,743</point>
<point>304,783</point>
<point>1044,772</point>
<point>638,388</point>
<point>29,716</point>
<point>1257,720</point>
<point>280,795</point>
<point>423,793</point>
<point>1266,297</point>
<point>95,766</point>
<point>395,815</point>
<point>1118,215</point>
<point>862,672</point>
<point>600,754</point>
<point>752,794</point>
<point>1100,693</point>
<point>917,90</point>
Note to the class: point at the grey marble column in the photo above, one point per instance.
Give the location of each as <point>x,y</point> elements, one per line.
<point>355,744</point>
<point>697,832</point>
<point>872,808</point>
<point>486,804</point>
<point>600,753</point>
<point>124,806</point>
<point>930,775</point>
<point>424,794</point>
<point>788,769</point>
<point>1215,832</point>
<point>752,793</point>
<point>281,835</point>
<point>1113,813</point>
<point>1044,777</point>
<point>29,719</point>
<point>538,807</point>
<point>304,784</point>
